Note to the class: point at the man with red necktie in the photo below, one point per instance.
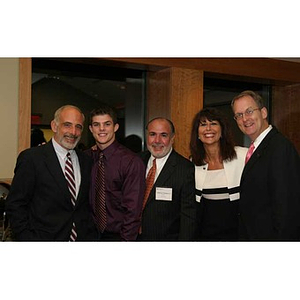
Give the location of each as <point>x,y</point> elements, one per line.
<point>170,208</point>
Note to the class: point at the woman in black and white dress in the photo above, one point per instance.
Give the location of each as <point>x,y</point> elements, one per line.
<point>218,169</point>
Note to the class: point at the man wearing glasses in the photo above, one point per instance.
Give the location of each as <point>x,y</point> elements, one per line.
<point>270,183</point>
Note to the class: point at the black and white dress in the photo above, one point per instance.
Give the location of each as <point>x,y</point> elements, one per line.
<point>218,215</point>
<point>217,192</point>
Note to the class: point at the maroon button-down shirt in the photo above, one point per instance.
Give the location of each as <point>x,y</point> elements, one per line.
<point>124,188</point>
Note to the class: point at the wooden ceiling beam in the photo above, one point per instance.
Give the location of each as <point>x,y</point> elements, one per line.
<point>272,69</point>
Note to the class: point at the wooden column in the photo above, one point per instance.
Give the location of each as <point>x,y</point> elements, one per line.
<point>286,112</point>
<point>24,103</point>
<point>177,94</point>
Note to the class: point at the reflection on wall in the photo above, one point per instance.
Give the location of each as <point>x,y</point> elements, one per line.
<point>48,133</point>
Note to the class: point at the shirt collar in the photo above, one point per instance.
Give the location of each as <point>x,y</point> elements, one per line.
<point>262,136</point>
<point>107,151</point>
<point>61,151</point>
<point>160,160</point>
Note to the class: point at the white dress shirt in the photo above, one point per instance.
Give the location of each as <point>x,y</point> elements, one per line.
<point>261,137</point>
<point>62,157</point>
<point>160,162</point>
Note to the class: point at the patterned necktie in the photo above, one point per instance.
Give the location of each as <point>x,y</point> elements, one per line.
<point>149,182</point>
<point>100,210</point>
<point>69,174</point>
<point>250,152</point>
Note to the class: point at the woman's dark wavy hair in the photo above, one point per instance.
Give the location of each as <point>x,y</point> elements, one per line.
<point>226,141</point>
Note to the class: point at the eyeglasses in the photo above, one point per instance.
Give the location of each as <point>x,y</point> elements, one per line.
<point>249,111</point>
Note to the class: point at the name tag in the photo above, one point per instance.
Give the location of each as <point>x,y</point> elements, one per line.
<point>164,194</point>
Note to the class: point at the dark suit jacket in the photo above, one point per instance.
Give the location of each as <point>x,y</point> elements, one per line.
<point>176,219</point>
<point>39,205</point>
<point>270,191</point>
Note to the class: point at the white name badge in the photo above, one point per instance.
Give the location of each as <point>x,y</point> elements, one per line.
<point>164,194</point>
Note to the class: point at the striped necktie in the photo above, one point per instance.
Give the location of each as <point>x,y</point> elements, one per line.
<point>100,209</point>
<point>69,174</point>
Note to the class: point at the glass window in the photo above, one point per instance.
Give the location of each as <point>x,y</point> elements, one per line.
<point>56,82</point>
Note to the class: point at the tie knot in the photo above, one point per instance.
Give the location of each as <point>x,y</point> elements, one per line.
<point>154,162</point>
<point>101,160</point>
<point>68,156</point>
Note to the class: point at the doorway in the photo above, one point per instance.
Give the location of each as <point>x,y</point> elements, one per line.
<point>86,83</point>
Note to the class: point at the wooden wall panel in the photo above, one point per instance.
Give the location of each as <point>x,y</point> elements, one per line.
<point>158,94</point>
<point>286,112</point>
<point>186,100</point>
<point>177,94</point>
<point>24,103</point>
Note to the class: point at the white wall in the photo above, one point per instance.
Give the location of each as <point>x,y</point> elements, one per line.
<point>9,87</point>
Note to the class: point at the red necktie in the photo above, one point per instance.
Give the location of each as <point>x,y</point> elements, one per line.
<point>149,182</point>
<point>100,210</point>
<point>69,174</point>
<point>250,152</point>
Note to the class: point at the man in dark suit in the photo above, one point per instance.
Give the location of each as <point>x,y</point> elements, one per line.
<point>39,205</point>
<point>270,183</point>
<point>169,212</point>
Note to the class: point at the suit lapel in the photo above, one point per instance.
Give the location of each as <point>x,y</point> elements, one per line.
<point>167,170</point>
<point>55,170</point>
<point>259,152</point>
<point>84,174</point>
<point>164,175</point>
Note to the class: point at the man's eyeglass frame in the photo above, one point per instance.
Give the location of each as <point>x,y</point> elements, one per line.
<point>248,112</point>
